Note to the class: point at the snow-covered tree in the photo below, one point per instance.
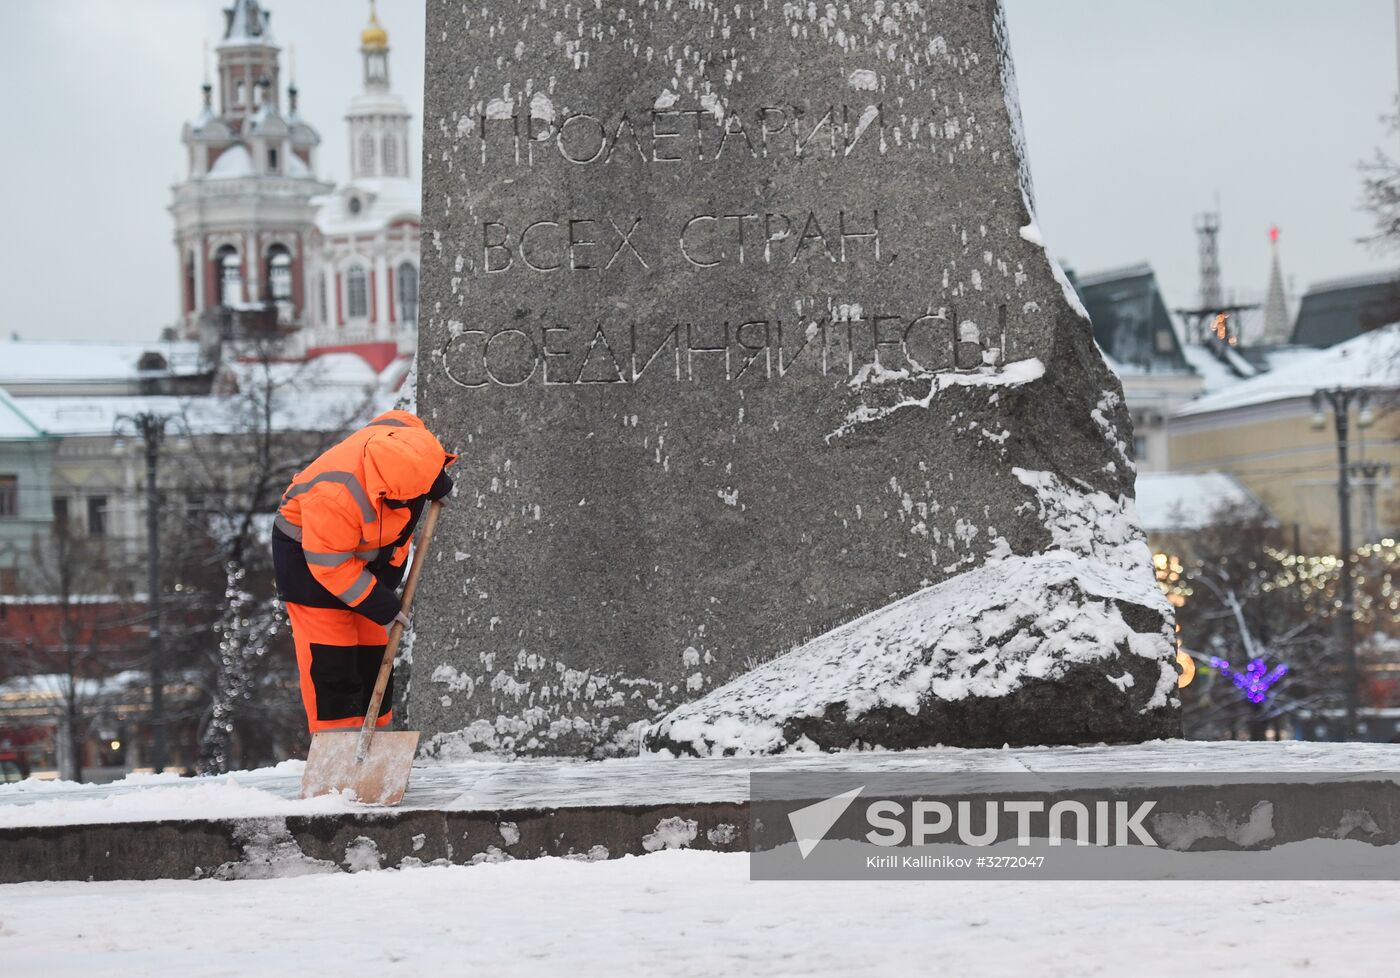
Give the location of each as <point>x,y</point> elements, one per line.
<point>266,432</point>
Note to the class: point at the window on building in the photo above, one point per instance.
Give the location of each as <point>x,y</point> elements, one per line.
<point>321,298</point>
<point>407,287</point>
<point>240,93</point>
<point>1139,448</point>
<point>9,580</point>
<point>271,160</point>
<point>356,293</point>
<point>60,511</point>
<point>367,155</point>
<point>279,273</point>
<point>230,268</point>
<point>9,495</point>
<point>390,156</point>
<point>355,205</point>
<point>97,516</point>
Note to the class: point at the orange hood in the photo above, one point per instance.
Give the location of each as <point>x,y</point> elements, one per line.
<point>402,458</point>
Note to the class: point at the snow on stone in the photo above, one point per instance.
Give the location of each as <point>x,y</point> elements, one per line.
<point>270,795</point>
<point>210,798</point>
<point>1014,374</point>
<point>864,80</point>
<point>949,641</point>
<point>671,833</point>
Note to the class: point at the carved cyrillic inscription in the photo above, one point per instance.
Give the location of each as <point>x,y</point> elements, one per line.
<point>530,134</point>
<point>715,352</point>
<point>722,239</point>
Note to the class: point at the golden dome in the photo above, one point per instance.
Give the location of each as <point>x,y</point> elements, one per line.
<point>374,37</point>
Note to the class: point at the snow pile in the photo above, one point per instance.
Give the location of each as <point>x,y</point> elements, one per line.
<point>984,634</point>
<point>159,798</point>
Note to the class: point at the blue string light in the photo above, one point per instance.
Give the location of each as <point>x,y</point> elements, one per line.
<point>1256,680</point>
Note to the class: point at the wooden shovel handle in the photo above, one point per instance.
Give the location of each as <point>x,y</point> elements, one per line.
<point>420,557</point>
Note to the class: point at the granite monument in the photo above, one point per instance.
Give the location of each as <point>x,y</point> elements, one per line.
<point>779,428</point>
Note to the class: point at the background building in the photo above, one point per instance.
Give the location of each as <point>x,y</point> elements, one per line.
<point>267,248</point>
<point>1265,433</point>
<point>244,216</point>
<point>1135,332</point>
<point>367,233</point>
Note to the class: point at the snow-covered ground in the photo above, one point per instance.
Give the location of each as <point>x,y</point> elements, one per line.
<point>490,783</point>
<point>689,914</point>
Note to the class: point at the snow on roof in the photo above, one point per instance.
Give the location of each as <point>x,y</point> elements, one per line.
<point>1175,501</point>
<point>15,425</point>
<point>1371,360</point>
<point>327,394</point>
<point>382,200</point>
<point>43,360</point>
<point>377,103</point>
<point>1115,274</point>
<point>1354,282</point>
<point>233,162</point>
<point>1216,376</point>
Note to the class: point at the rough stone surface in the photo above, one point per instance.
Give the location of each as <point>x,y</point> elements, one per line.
<point>739,317</point>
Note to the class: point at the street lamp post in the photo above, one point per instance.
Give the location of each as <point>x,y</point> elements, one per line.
<point>1341,399</point>
<point>151,429</point>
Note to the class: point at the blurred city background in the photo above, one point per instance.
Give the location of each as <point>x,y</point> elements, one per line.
<point>211,270</point>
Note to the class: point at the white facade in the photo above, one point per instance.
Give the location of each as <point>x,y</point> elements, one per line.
<point>244,216</point>
<point>364,276</point>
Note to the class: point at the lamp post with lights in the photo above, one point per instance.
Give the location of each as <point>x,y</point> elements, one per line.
<point>1341,400</point>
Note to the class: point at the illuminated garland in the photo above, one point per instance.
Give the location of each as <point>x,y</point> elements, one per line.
<point>1256,680</point>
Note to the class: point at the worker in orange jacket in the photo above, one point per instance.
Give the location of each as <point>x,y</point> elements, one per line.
<point>340,542</point>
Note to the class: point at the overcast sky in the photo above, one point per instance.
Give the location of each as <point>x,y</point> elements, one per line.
<point>1138,112</point>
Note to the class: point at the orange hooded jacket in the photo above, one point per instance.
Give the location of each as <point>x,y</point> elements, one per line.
<point>352,511</point>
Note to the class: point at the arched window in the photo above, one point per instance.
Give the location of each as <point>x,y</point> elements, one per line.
<point>229,266</point>
<point>356,293</point>
<point>279,273</point>
<point>407,289</point>
<point>367,155</point>
<point>390,156</point>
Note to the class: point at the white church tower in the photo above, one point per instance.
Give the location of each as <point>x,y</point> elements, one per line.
<point>367,250</point>
<point>244,217</point>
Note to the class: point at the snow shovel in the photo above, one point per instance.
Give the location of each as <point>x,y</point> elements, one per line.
<point>373,765</point>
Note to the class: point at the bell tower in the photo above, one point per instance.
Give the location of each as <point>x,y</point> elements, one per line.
<point>248,63</point>
<point>378,118</point>
<point>244,214</point>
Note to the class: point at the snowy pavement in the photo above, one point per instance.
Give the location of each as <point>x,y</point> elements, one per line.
<point>494,785</point>
<point>689,914</point>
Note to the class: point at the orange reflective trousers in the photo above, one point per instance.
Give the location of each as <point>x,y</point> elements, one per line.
<point>338,656</point>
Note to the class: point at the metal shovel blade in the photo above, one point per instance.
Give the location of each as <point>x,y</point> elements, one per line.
<point>380,779</point>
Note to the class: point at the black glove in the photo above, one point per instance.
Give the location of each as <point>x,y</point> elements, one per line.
<point>441,487</point>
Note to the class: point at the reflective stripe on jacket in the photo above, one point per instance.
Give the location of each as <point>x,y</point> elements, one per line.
<point>351,511</point>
